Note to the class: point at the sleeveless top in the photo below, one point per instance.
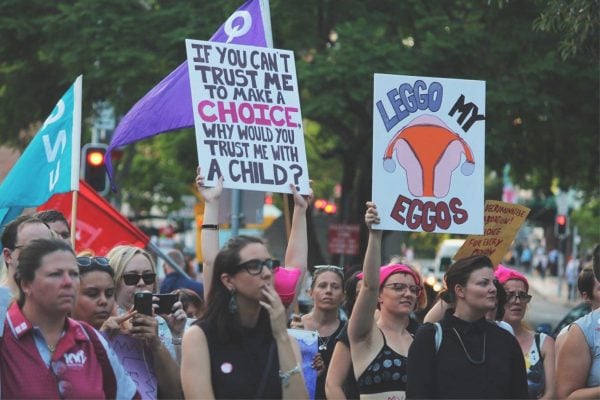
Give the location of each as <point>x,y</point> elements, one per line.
<point>237,367</point>
<point>590,326</point>
<point>534,364</point>
<point>326,346</point>
<point>386,373</point>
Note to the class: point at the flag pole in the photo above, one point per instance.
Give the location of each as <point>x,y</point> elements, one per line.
<point>76,155</point>
<point>74,217</point>
<point>152,246</point>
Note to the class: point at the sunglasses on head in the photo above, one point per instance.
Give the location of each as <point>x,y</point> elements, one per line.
<point>255,267</point>
<point>332,268</point>
<point>85,261</point>
<point>132,279</point>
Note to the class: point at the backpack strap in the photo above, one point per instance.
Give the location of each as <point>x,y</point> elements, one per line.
<point>109,381</point>
<point>438,336</point>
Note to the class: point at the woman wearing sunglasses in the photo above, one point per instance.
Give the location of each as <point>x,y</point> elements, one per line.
<point>153,342</point>
<point>43,352</point>
<point>537,347</point>
<point>380,348</point>
<point>241,348</point>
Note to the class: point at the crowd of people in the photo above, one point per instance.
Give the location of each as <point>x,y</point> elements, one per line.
<point>76,325</point>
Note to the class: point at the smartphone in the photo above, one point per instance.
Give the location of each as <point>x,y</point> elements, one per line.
<point>165,302</point>
<point>142,303</point>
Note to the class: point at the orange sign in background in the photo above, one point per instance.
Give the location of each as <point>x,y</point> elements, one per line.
<point>502,221</point>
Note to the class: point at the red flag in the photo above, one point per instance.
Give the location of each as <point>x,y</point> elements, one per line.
<point>99,226</point>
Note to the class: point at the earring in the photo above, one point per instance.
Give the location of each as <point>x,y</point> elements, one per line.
<point>232,306</point>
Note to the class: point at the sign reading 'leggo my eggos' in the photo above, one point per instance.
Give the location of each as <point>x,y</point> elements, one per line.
<point>247,116</point>
<point>429,153</point>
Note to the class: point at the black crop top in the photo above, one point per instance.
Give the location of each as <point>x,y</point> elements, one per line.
<point>386,373</point>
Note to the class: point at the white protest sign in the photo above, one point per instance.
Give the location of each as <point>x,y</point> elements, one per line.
<point>429,153</point>
<point>247,116</point>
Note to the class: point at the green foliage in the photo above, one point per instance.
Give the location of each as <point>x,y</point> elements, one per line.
<point>587,220</point>
<point>541,111</point>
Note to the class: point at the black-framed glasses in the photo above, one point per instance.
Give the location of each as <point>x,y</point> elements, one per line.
<point>401,287</point>
<point>255,266</point>
<point>132,279</point>
<point>521,296</point>
<point>333,268</point>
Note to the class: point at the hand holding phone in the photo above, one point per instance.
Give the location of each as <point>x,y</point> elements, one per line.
<point>142,303</point>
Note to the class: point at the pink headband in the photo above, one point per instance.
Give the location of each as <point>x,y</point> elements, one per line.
<point>387,270</point>
<point>504,274</point>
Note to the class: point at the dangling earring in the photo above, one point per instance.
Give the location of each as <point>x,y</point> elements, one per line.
<point>232,306</point>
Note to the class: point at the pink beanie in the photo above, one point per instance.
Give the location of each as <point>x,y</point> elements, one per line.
<point>284,281</point>
<point>387,270</point>
<point>504,274</point>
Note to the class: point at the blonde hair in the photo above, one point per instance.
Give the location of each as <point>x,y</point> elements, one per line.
<point>120,256</point>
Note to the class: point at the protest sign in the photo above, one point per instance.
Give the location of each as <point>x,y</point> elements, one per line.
<point>247,116</point>
<point>423,130</point>
<point>502,222</point>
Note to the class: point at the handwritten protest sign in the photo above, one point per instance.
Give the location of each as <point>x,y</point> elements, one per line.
<point>502,222</point>
<point>424,129</point>
<point>247,116</point>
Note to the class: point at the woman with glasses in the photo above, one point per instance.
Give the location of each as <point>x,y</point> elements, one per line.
<point>537,348</point>
<point>287,278</point>
<point>43,352</point>
<point>380,347</point>
<point>465,356</point>
<point>153,342</point>
<point>241,347</point>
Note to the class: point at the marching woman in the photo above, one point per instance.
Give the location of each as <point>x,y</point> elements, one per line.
<point>43,352</point>
<point>380,348</point>
<point>537,347</point>
<point>241,348</point>
<point>465,356</point>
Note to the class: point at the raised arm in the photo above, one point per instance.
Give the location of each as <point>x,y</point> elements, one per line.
<point>296,254</point>
<point>362,323</point>
<point>210,235</point>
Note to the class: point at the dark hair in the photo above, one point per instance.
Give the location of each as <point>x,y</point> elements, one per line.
<point>228,326</point>
<point>459,273</point>
<point>11,230</point>
<point>49,216</point>
<point>30,260</point>
<point>351,284</point>
<point>189,297</point>
<point>501,297</point>
<point>586,281</point>
<point>596,261</point>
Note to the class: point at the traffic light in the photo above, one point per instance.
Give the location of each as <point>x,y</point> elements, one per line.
<point>93,169</point>
<point>561,225</point>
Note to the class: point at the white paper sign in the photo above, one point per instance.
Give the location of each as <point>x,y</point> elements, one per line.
<point>429,153</point>
<point>247,116</point>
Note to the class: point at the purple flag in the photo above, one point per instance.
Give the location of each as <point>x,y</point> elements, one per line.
<point>168,106</point>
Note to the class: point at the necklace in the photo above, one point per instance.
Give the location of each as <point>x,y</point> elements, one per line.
<point>52,348</point>
<point>323,343</point>
<point>467,353</point>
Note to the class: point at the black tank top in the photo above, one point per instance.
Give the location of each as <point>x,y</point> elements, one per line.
<point>386,373</point>
<point>237,367</point>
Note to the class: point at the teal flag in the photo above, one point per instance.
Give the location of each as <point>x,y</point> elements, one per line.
<point>50,164</point>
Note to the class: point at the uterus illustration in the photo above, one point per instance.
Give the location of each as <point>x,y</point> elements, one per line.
<point>429,152</point>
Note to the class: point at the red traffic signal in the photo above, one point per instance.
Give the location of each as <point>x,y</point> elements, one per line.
<point>93,170</point>
<point>561,225</point>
